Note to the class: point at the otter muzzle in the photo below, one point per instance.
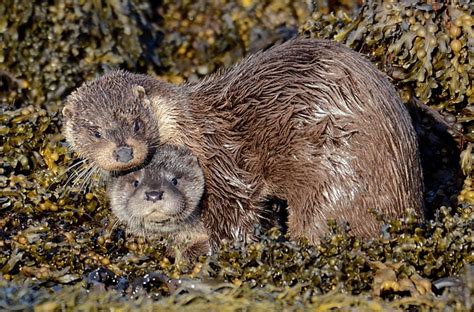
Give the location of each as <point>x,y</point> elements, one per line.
<point>154,195</point>
<point>123,154</point>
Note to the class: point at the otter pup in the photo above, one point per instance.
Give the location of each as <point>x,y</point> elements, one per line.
<point>309,122</point>
<point>163,199</point>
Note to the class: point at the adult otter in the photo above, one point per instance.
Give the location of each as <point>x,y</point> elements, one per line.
<point>162,199</point>
<point>309,121</point>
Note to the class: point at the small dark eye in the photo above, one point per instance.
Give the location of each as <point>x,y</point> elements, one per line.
<point>135,183</point>
<point>137,125</point>
<point>174,181</point>
<point>97,134</point>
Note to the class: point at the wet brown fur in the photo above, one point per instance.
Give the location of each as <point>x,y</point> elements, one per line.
<point>309,121</point>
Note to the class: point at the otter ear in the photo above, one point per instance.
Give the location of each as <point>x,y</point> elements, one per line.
<point>139,92</point>
<point>68,111</point>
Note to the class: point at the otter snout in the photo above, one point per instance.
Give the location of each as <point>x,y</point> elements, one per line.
<point>123,154</point>
<point>154,196</point>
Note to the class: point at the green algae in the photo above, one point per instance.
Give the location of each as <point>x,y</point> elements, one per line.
<point>228,298</point>
<point>203,36</point>
<point>49,47</point>
<point>427,47</point>
<point>60,247</point>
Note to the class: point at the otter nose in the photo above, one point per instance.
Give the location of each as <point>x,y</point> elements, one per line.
<point>154,195</point>
<point>123,154</point>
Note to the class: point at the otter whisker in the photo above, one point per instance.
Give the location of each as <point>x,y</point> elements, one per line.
<point>74,165</point>
<point>142,226</point>
<point>136,225</point>
<point>75,177</point>
<point>61,176</point>
<point>81,182</point>
<point>97,175</point>
<point>87,181</point>
<point>115,225</point>
<point>100,174</point>
<point>81,175</point>
<point>130,224</point>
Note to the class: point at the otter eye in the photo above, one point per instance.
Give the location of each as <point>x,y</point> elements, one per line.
<point>135,183</point>
<point>97,134</point>
<point>137,125</point>
<point>174,181</point>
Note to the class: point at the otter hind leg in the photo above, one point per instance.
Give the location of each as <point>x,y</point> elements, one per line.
<point>304,221</point>
<point>314,194</point>
<point>314,204</point>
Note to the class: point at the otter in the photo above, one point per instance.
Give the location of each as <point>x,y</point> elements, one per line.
<point>309,122</point>
<point>162,199</point>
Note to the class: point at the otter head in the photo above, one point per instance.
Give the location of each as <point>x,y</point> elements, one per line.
<point>162,197</point>
<point>110,121</point>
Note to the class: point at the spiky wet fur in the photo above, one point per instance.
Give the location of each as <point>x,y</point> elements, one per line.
<point>308,121</point>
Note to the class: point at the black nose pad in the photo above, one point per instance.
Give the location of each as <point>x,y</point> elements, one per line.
<point>154,195</point>
<point>123,154</point>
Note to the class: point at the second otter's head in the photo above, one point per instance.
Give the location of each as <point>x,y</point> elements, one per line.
<point>162,197</point>
<point>110,121</point>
